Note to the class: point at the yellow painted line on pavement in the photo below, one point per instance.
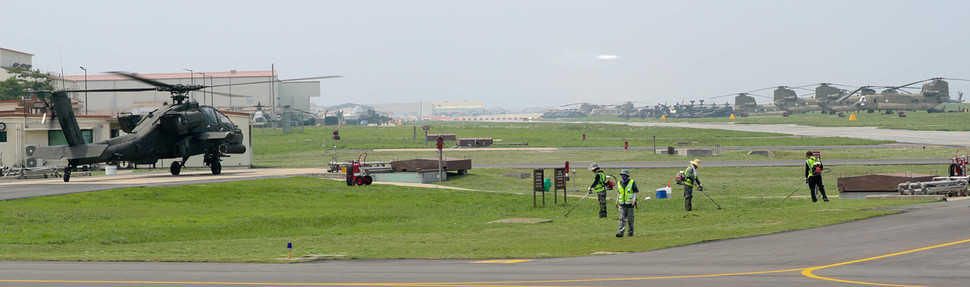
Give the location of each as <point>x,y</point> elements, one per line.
<point>808,271</point>
<point>503,261</point>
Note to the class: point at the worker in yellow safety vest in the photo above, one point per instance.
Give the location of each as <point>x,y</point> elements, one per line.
<point>813,176</point>
<point>626,202</point>
<point>599,187</point>
<point>690,180</point>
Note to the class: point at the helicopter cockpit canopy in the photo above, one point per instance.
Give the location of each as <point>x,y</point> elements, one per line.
<point>217,118</point>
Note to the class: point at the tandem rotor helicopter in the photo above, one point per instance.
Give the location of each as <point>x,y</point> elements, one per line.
<point>932,93</point>
<point>830,98</point>
<point>178,130</point>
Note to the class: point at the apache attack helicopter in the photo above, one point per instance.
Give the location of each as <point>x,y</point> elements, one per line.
<point>934,92</point>
<point>179,130</point>
<point>700,111</point>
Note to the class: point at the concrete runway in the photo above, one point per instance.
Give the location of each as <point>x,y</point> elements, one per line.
<point>927,245</point>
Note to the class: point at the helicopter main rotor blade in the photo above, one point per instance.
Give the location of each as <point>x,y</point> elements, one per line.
<point>140,79</point>
<point>228,95</point>
<point>852,93</point>
<point>827,84</point>
<point>955,79</point>
<point>916,82</point>
<point>761,89</point>
<point>311,78</point>
<point>272,81</point>
<point>114,90</point>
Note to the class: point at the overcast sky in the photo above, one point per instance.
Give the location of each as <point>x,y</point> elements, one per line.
<point>507,53</point>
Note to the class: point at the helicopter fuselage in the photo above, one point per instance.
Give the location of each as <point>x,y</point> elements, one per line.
<point>173,131</point>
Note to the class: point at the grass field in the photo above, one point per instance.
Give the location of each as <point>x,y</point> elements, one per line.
<point>252,221</point>
<point>313,147</point>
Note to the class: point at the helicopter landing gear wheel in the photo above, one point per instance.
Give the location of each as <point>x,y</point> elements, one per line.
<point>67,174</point>
<point>176,168</point>
<point>216,167</point>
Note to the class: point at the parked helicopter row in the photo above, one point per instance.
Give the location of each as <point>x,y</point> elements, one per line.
<point>627,110</point>
<point>834,98</point>
<point>825,98</point>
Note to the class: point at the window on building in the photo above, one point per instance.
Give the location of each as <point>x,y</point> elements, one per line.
<point>3,137</point>
<point>57,137</point>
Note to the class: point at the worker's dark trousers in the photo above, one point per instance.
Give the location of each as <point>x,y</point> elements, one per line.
<point>602,198</point>
<point>626,219</point>
<point>816,182</point>
<point>688,195</point>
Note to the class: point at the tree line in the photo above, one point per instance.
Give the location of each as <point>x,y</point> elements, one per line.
<point>22,82</point>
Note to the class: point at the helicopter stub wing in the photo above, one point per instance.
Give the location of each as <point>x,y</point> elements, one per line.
<point>70,152</point>
<point>214,135</point>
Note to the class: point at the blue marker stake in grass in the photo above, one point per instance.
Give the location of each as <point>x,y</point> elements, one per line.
<point>289,249</point>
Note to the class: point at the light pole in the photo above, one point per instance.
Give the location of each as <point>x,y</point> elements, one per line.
<point>191,76</point>
<point>203,90</point>
<point>212,101</point>
<point>85,90</point>
<point>230,92</point>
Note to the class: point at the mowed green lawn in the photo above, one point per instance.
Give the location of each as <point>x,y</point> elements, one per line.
<point>313,146</point>
<point>252,221</point>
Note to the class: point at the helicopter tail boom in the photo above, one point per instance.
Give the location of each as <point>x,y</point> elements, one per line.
<point>70,152</point>
<point>64,113</point>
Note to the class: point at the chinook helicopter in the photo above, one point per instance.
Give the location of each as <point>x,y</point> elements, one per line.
<point>746,105</point>
<point>179,130</point>
<point>933,92</point>
<point>786,99</point>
